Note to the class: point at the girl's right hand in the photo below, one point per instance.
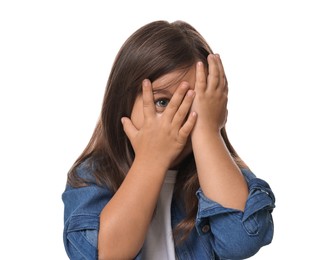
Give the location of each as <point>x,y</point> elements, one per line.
<point>162,136</point>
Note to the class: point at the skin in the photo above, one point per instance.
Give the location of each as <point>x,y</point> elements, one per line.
<point>219,177</point>
<point>165,125</point>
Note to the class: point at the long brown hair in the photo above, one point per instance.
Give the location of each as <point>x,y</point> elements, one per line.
<point>152,51</point>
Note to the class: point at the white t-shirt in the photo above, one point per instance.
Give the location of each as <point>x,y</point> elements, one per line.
<point>159,240</point>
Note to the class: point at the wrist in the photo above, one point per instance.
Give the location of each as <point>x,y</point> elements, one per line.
<point>151,163</point>
<point>205,127</point>
<point>204,135</point>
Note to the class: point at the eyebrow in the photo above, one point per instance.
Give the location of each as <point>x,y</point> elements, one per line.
<point>164,87</point>
<point>162,91</point>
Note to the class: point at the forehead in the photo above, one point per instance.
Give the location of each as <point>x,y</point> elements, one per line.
<point>174,78</point>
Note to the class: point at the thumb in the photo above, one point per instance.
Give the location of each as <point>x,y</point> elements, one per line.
<point>129,129</point>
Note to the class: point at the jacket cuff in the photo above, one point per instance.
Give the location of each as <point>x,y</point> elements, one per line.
<point>81,237</point>
<point>260,197</point>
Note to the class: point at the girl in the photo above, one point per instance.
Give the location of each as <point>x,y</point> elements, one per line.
<point>159,178</point>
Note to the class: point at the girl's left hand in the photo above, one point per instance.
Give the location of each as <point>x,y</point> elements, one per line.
<point>210,102</point>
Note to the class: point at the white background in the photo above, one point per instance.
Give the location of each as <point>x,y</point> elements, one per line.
<point>55,57</point>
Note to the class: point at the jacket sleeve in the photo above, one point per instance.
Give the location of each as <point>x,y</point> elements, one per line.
<point>237,234</point>
<point>82,208</point>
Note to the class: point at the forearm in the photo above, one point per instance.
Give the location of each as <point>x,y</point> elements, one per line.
<point>125,219</point>
<point>220,178</point>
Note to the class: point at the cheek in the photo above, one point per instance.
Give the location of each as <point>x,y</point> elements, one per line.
<point>137,115</point>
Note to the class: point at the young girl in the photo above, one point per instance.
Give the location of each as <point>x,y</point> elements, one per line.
<point>159,178</point>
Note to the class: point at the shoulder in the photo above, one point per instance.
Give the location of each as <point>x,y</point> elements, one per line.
<point>88,197</point>
<point>248,174</point>
<point>82,174</point>
<point>86,170</point>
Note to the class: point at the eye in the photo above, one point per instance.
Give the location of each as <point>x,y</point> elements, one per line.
<point>161,104</point>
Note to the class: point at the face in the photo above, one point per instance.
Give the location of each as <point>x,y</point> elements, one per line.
<point>163,90</point>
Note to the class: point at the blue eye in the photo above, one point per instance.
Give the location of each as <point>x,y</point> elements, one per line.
<point>162,102</point>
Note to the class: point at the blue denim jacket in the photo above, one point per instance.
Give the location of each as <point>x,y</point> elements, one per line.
<point>220,233</point>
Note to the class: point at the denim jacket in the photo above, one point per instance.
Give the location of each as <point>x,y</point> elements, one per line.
<point>220,233</point>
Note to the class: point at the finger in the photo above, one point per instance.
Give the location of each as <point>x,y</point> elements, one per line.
<point>200,83</point>
<point>148,100</point>
<point>129,129</point>
<point>176,101</point>
<point>221,67</point>
<point>226,116</point>
<point>226,85</point>
<point>187,127</point>
<point>213,78</point>
<point>184,109</point>
<point>222,76</point>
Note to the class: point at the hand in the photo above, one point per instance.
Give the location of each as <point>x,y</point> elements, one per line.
<point>211,94</point>
<point>162,136</point>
